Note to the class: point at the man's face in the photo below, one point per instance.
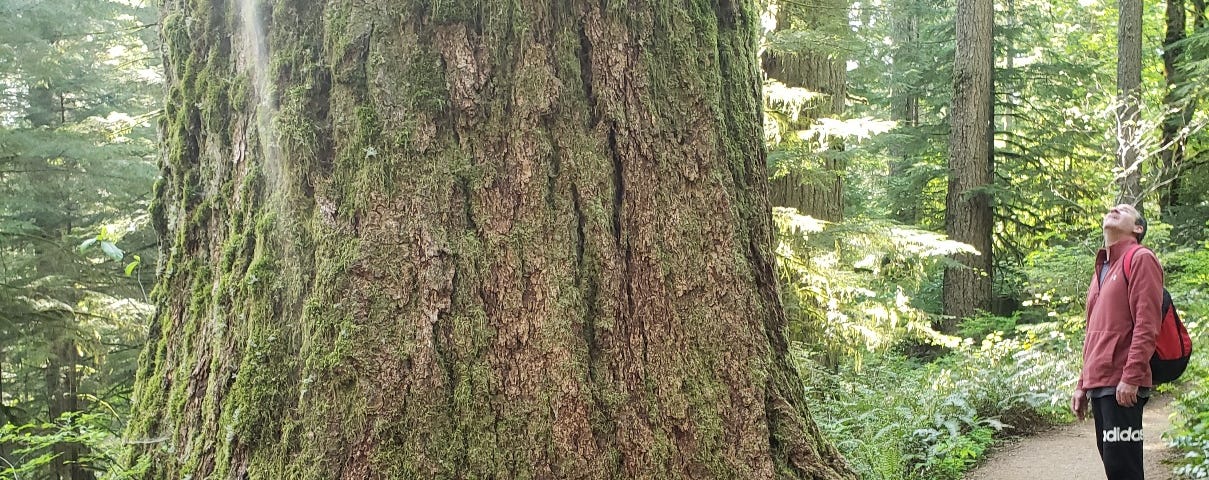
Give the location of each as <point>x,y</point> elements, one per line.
<point>1123,218</point>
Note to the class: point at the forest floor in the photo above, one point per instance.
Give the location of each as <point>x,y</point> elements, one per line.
<point>1069,452</point>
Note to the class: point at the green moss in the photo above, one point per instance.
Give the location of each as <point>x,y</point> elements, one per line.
<point>175,33</point>
<point>159,217</point>
<point>201,215</point>
<point>212,85</point>
<point>240,92</point>
<point>265,382</point>
<point>232,250</point>
<point>253,182</point>
<point>261,274</point>
<point>451,11</point>
<point>293,124</point>
<point>424,83</point>
<point>368,126</point>
<point>266,222</point>
<point>149,395</point>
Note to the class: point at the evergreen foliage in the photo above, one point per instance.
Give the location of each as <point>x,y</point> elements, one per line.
<point>77,144</point>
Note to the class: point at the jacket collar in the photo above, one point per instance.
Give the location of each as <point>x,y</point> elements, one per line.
<point>1116,250</point>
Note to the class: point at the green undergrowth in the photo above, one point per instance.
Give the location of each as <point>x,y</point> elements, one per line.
<point>898,418</point>
<point>1190,422</point>
<point>1188,280</point>
<point>30,446</point>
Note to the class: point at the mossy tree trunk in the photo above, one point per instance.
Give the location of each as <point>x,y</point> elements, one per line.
<point>468,240</point>
<point>967,287</point>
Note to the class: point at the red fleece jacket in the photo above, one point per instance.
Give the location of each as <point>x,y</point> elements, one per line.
<point>1122,320</point>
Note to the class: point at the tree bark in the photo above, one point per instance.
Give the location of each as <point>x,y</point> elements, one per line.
<point>61,376</point>
<point>904,107</point>
<point>1177,113</point>
<point>1129,79</point>
<point>62,391</point>
<point>467,240</point>
<point>1179,108</point>
<point>817,70</point>
<point>4,415</point>
<point>967,288</point>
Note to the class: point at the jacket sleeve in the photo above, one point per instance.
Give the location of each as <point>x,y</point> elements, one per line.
<point>1086,318</point>
<point>1146,304</point>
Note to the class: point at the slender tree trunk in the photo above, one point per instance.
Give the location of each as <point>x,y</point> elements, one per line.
<point>817,70</point>
<point>5,419</point>
<point>62,389</point>
<point>1175,105</point>
<point>57,394</point>
<point>467,240</point>
<point>1129,79</point>
<point>1009,54</point>
<point>968,218</point>
<point>60,378</point>
<point>904,106</point>
<point>1179,109</point>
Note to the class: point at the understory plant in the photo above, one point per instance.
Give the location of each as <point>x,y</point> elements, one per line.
<point>896,418</point>
<point>859,286</point>
<point>1187,272</point>
<point>32,445</point>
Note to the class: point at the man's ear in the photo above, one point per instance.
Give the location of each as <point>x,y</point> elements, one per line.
<point>1137,229</point>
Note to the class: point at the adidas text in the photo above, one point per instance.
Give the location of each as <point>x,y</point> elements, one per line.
<point>1126,435</point>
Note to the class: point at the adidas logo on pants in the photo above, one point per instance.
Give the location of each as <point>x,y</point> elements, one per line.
<point>1118,435</point>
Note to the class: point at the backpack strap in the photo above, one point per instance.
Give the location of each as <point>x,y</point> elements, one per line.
<point>1128,259</point>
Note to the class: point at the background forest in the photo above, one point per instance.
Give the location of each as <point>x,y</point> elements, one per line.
<point>912,372</point>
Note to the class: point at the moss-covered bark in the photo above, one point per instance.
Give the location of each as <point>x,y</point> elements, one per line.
<point>481,240</point>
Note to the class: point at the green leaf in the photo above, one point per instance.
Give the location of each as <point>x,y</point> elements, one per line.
<point>133,265</point>
<point>112,250</point>
<point>87,243</point>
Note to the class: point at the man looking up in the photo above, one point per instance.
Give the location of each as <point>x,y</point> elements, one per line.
<point>1123,318</point>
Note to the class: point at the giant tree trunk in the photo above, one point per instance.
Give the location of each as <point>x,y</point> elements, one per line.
<point>967,288</point>
<point>1129,78</point>
<point>819,194</point>
<point>467,240</point>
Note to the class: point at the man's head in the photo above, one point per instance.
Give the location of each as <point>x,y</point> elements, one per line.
<point>1124,220</point>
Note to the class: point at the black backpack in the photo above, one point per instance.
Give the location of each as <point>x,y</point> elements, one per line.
<point>1173,345</point>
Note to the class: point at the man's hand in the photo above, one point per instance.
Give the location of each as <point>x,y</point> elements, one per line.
<point>1127,395</point>
<point>1078,403</point>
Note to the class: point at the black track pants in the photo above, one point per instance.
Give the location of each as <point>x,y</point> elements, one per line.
<point>1119,437</point>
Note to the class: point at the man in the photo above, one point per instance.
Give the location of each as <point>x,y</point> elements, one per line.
<point>1122,323</point>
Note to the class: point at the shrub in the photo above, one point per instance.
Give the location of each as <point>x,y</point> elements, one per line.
<point>898,419</point>
<point>1187,276</point>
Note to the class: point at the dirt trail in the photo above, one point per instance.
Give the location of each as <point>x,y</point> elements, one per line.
<point>1069,452</point>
